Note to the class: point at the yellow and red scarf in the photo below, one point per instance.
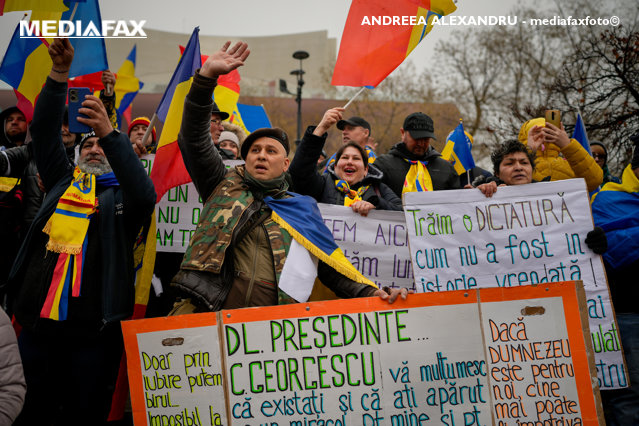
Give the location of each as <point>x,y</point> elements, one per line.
<point>351,194</point>
<point>67,229</point>
<point>417,179</point>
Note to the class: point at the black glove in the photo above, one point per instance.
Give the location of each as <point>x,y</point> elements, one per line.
<point>597,241</point>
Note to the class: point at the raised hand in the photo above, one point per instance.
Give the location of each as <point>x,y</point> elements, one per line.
<point>553,134</point>
<point>225,60</point>
<point>329,119</point>
<point>61,53</point>
<point>98,119</point>
<point>535,138</point>
<point>108,81</point>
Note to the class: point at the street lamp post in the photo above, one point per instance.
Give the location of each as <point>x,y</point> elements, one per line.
<point>299,73</point>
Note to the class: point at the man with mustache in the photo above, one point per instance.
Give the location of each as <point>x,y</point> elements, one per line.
<point>73,280</point>
<point>237,253</point>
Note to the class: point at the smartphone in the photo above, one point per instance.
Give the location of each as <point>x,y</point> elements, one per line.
<point>553,116</point>
<point>76,97</point>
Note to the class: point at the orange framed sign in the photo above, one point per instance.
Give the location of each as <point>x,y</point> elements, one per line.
<point>501,356</point>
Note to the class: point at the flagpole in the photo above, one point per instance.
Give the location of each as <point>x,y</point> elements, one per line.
<point>353,98</point>
<point>149,129</point>
<point>75,8</point>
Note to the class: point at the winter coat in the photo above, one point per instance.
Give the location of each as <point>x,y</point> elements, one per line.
<point>121,213</point>
<point>574,162</point>
<point>395,166</point>
<point>12,384</point>
<point>230,211</point>
<point>308,181</point>
<point>616,210</point>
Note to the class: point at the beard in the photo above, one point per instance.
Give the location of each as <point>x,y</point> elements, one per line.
<point>97,169</point>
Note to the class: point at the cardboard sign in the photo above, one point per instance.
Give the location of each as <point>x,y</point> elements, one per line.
<point>377,245</point>
<point>490,356</point>
<point>523,235</point>
<point>175,370</point>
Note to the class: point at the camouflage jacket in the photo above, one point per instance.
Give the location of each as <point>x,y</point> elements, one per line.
<point>230,211</point>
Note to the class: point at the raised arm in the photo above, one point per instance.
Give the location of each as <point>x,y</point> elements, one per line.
<point>201,159</point>
<point>50,156</point>
<point>137,188</point>
<point>306,179</point>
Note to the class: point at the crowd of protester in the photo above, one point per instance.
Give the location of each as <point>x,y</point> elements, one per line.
<point>237,252</point>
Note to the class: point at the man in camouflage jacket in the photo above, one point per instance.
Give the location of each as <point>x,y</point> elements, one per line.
<point>237,251</point>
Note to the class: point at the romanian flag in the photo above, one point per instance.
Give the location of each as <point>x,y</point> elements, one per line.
<point>457,150</point>
<point>169,169</point>
<point>27,64</point>
<point>614,209</point>
<point>580,135</point>
<point>371,49</point>
<point>127,84</point>
<point>301,218</point>
<point>226,95</point>
<point>143,262</point>
<point>126,88</point>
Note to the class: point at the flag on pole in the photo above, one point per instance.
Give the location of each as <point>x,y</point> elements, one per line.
<point>169,169</point>
<point>126,88</point>
<point>127,84</point>
<point>457,150</point>
<point>26,63</point>
<point>580,135</point>
<point>371,48</point>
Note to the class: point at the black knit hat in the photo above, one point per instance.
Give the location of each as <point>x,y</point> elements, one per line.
<point>86,136</point>
<point>274,133</point>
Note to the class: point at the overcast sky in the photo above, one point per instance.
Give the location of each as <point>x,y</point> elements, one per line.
<point>257,17</point>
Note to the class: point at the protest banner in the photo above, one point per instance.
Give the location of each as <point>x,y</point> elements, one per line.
<point>377,245</point>
<point>175,370</point>
<point>523,235</point>
<point>490,356</point>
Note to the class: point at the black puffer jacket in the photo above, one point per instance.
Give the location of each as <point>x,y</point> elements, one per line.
<point>19,162</point>
<point>307,180</point>
<point>122,212</point>
<point>394,166</point>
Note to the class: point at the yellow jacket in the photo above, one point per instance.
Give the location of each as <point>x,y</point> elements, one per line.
<point>574,162</point>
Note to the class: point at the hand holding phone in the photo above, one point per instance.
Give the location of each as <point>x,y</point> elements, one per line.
<point>553,116</point>
<point>76,97</point>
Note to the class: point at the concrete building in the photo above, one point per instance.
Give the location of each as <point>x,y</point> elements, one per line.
<point>271,59</point>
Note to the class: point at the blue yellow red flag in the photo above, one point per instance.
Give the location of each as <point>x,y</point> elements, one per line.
<point>168,168</point>
<point>27,64</point>
<point>458,150</point>
<point>614,209</point>
<point>127,84</point>
<point>300,217</point>
<point>372,48</point>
